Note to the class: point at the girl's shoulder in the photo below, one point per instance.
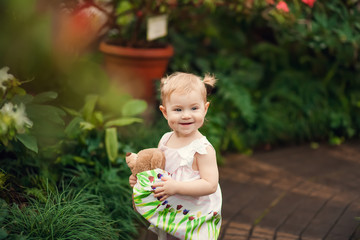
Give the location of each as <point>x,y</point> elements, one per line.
<point>165,138</point>
<point>199,145</point>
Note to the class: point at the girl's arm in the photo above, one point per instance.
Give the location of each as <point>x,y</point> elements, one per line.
<point>207,184</point>
<point>132,180</point>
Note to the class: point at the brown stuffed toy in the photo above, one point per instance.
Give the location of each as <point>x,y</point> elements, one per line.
<point>144,160</point>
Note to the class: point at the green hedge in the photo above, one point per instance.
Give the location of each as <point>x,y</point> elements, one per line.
<point>284,77</point>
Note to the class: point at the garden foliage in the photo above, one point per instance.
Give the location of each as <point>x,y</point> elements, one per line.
<point>44,144</point>
<point>83,153</point>
<point>289,72</point>
<point>286,75</point>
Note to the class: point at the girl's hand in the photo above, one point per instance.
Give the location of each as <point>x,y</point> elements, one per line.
<point>132,180</point>
<point>165,189</point>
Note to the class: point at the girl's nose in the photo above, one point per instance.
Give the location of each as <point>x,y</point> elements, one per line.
<point>185,114</point>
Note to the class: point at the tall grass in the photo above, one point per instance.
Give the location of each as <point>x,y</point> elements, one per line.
<point>65,215</point>
<point>112,186</point>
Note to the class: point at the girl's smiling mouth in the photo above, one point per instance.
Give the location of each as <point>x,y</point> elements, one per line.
<point>186,123</point>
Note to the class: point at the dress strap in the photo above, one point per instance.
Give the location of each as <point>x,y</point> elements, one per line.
<point>164,139</point>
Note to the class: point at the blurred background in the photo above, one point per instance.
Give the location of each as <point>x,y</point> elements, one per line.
<point>288,73</point>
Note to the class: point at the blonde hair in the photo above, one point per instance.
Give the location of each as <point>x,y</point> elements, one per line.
<point>184,83</point>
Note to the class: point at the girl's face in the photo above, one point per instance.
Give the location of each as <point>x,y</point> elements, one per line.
<point>185,113</point>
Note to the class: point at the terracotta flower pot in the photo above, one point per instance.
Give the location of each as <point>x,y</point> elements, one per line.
<point>135,70</point>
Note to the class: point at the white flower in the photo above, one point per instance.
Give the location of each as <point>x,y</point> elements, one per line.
<point>7,109</point>
<point>21,120</point>
<point>4,76</point>
<point>18,115</point>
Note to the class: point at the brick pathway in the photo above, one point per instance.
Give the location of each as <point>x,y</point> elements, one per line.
<point>292,193</point>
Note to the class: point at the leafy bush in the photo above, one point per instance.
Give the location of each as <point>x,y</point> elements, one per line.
<point>52,144</point>
<point>24,117</point>
<point>284,76</point>
<point>93,151</point>
<point>87,147</point>
<point>91,137</point>
<point>29,128</point>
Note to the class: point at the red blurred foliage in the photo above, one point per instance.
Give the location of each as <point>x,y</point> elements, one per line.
<point>270,1</point>
<point>309,2</point>
<point>282,6</point>
<point>77,29</point>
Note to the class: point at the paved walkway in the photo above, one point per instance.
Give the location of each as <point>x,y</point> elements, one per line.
<point>292,193</point>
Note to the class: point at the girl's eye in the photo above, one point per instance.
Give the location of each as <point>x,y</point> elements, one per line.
<point>177,109</point>
<point>194,108</point>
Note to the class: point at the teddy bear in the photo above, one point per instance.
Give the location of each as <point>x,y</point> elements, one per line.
<point>146,159</point>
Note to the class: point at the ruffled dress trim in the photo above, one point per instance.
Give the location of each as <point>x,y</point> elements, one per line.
<point>187,152</point>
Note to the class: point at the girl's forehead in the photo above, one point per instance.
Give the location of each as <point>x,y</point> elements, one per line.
<point>191,94</point>
<point>193,97</point>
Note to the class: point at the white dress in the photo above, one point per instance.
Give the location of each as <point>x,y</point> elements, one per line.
<point>184,217</point>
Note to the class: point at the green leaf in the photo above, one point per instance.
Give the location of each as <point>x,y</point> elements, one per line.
<point>134,107</point>
<point>111,143</point>
<point>28,141</point>
<point>120,122</point>
<point>73,128</point>
<point>19,91</point>
<point>83,160</point>
<point>99,117</point>
<point>241,98</point>
<point>72,112</point>
<point>45,114</point>
<point>45,97</point>
<point>122,7</point>
<point>86,126</point>
<point>22,99</point>
<point>88,109</point>
<point>321,18</point>
<point>79,159</point>
<point>237,141</point>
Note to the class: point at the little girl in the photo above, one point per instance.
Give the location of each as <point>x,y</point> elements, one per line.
<point>186,200</point>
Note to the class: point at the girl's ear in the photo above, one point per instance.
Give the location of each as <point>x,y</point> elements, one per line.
<point>207,104</point>
<point>163,110</point>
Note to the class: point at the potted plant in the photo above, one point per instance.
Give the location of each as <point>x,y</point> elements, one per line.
<point>133,59</point>
<point>133,38</point>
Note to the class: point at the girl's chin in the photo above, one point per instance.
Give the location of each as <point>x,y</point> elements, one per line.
<point>185,132</point>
